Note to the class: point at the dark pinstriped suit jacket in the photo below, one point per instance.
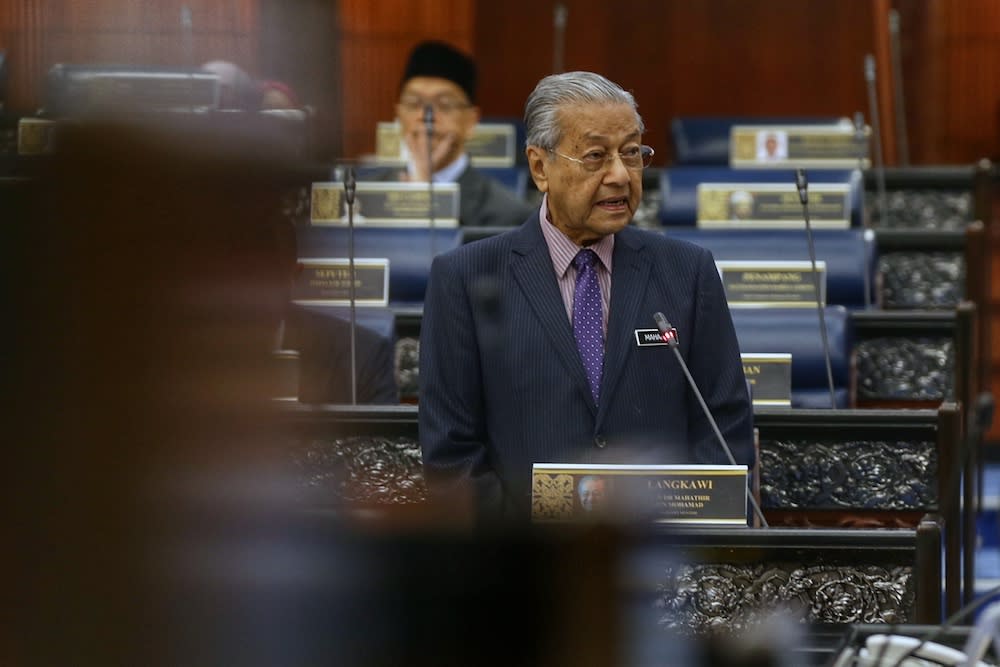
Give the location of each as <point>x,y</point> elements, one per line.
<point>502,385</point>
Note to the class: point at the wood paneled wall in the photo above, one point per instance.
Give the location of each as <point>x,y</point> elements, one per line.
<point>952,53</point>
<point>747,57</point>
<point>375,39</point>
<point>726,57</point>
<point>40,33</point>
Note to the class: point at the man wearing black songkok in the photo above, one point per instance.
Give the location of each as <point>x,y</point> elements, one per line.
<point>439,75</point>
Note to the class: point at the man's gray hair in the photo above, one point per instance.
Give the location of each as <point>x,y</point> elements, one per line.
<point>541,111</point>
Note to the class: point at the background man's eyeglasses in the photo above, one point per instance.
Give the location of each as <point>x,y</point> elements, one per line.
<point>443,105</point>
<point>636,157</point>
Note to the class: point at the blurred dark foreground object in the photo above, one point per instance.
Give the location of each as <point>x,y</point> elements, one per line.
<point>144,271</point>
<point>150,517</point>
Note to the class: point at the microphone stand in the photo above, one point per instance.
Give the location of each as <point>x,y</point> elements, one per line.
<point>879,164</point>
<point>429,128</point>
<point>861,140</point>
<point>350,186</point>
<point>803,186</point>
<point>670,336</point>
<point>559,17</point>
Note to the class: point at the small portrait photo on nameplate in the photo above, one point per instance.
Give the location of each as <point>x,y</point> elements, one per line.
<point>770,378</point>
<point>327,282</point>
<point>684,494</point>
<point>378,204</point>
<point>772,206</point>
<point>829,146</point>
<point>35,136</point>
<point>774,284</point>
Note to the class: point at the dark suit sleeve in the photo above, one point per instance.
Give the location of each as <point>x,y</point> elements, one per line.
<point>714,360</point>
<point>487,203</point>
<point>452,412</point>
<point>376,375</point>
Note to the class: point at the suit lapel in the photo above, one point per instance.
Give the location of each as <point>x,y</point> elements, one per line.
<point>629,277</point>
<point>531,266</point>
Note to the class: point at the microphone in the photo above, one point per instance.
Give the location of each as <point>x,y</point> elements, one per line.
<point>350,187</point>
<point>879,164</point>
<point>429,129</point>
<point>861,139</point>
<point>669,334</point>
<point>559,18</point>
<point>803,186</point>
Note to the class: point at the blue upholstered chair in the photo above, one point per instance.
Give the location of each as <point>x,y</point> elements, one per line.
<point>409,251</point>
<point>849,254</point>
<point>796,331</point>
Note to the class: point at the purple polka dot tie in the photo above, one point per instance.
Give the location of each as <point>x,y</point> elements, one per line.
<point>588,319</point>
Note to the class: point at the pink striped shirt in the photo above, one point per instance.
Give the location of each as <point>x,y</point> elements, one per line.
<point>562,251</point>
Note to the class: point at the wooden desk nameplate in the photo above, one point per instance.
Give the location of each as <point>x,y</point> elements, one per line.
<point>678,494</point>
<point>770,378</point>
<point>772,206</point>
<point>833,146</point>
<point>490,145</point>
<point>772,284</point>
<point>379,204</point>
<point>327,282</point>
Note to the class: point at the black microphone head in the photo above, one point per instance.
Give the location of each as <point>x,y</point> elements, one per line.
<point>667,331</point>
<point>802,183</point>
<point>429,117</point>
<point>350,184</point>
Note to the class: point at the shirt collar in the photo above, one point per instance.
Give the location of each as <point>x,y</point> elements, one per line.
<point>562,250</point>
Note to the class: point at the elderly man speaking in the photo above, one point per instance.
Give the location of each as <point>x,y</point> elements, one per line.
<point>529,343</point>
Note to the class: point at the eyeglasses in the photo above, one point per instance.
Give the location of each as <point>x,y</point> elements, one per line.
<point>442,105</point>
<point>634,157</point>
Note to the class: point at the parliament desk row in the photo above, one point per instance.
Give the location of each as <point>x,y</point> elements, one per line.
<point>704,140</point>
<point>912,359</point>
<point>821,469</point>
<point>679,188</point>
<point>849,255</point>
<point>892,268</point>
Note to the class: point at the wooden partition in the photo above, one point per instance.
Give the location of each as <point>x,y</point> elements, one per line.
<point>726,57</point>
<point>40,33</point>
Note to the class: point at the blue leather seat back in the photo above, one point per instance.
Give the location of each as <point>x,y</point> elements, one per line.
<point>679,188</point>
<point>796,331</point>
<point>409,250</point>
<point>848,254</point>
<point>704,140</point>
